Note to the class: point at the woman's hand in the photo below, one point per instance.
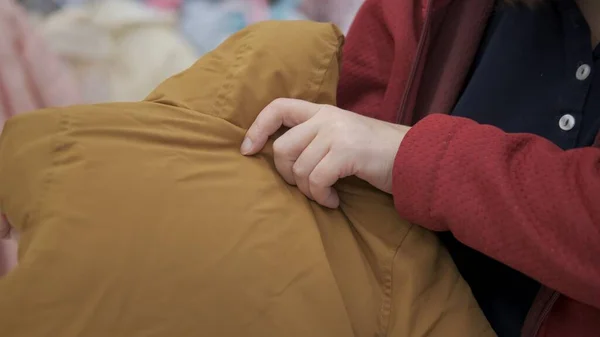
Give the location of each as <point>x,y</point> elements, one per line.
<point>325,144</point>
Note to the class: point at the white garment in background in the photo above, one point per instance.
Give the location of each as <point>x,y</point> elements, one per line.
<point>120,50</point>
<point>207,23</point>
<point>340,12</point>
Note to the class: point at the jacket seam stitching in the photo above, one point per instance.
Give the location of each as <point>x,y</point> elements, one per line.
<point>325,70</point>
<point>59,143</point>
<point>388,291</point>
<point>223,93</point>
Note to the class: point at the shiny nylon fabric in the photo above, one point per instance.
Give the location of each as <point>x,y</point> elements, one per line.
<point>142,219</point>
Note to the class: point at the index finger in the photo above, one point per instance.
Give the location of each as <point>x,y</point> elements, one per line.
<point>281,112</point>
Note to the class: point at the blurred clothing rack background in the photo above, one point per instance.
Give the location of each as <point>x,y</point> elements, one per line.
<point>119,50</point>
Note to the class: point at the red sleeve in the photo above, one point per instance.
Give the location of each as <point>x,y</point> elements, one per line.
<point>382,41</point>
<point>515,197</point>
<point>364,74</point>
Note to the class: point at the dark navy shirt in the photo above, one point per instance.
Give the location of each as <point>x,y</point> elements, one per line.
<point>535,72</point>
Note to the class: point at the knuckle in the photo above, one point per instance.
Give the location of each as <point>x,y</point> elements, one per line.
<point>299,171</point>
<point>325,112</point>
<point>285,172</point>
<point>324,108</point>
<point>327,108</point>
<point>332,110</point>
<point>328,112</point>
<point>315,180</point>
<point>279,148</point>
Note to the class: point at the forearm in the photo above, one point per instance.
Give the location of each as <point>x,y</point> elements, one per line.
<point>517,198</point>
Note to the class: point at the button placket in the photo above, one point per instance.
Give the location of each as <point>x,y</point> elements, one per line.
<point>579,73</point>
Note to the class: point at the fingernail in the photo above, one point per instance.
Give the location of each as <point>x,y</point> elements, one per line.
<point>246,146</point>
<point>333,201</point>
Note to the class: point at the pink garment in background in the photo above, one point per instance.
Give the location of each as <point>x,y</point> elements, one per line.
<point>31,78</point>
<point>259,10</point>
<point>165,4</point>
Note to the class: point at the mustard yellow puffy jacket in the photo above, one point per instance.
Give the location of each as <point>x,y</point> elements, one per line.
<point>143,219</point>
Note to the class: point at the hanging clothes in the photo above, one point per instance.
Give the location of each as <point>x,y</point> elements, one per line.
<point>339,12</point>
<point>31,76</point>
<point>120,50</point>
<point>171,5</point>
<point>207,23</point>
<point>41,7</point>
